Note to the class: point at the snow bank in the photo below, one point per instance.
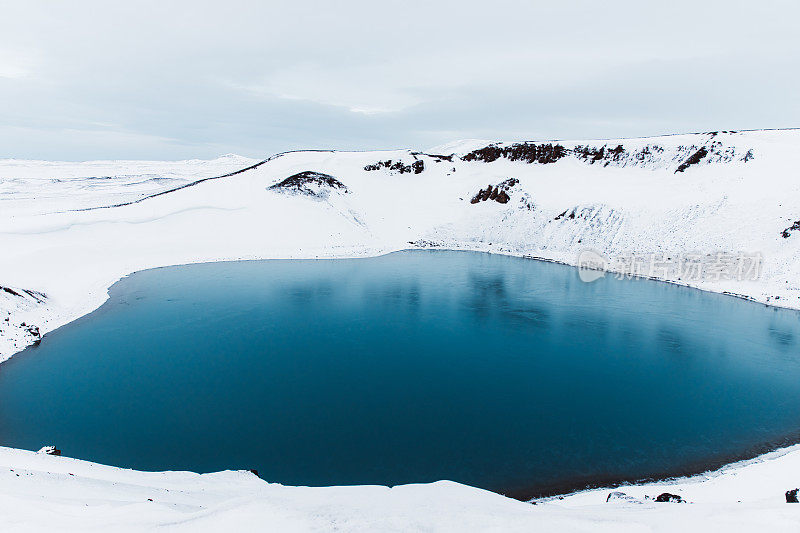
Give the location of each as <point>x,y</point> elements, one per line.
<point>698,194</point>
<point>40,492</point>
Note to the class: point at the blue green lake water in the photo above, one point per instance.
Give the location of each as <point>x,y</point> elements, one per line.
<point>499,372</point>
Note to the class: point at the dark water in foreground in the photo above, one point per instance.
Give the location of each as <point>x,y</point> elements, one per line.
<point>499,372</point>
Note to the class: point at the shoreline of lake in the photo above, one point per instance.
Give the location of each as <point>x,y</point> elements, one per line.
<point>692,471</point>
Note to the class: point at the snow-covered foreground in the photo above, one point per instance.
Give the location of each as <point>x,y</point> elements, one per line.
<point>667,200</point>
<point>46,493</point>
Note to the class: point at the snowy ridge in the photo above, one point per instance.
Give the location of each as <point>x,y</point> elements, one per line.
<point>49,493</point>
<point>702,194</point>
<point>617,197</point>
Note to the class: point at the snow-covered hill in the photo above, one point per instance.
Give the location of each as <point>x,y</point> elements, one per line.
<point>46,493</point>
<point>712,200</point>
<point>662,198</point>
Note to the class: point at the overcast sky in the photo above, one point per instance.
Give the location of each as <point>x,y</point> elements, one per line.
<point>173,80</point>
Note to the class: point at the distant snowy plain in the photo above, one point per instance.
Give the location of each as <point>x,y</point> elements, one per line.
<point>702,194</point>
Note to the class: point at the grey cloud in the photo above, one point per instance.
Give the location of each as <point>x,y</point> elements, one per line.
<point>174,80</point>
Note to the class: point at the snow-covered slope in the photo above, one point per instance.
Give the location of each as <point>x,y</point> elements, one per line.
<point>47,493</point>
<point>698,195</point>
<point>33,187</point>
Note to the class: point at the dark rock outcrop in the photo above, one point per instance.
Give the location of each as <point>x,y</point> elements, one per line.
<point>648,156</point>
<point>528,152</point>
<point>572,214</point>
<point>33,331</point>
<point>618,156</point>
<point>309,183</point>
<point>666,497</point>
<point>791,496</point>
<point>787,232</point>
<point>417,167</point>
<point>498,193</point>
<point>38,297</point>
<point>693,159</point>
<point>10,291</point>
<point>593,154</point>
<point>50,450</point>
